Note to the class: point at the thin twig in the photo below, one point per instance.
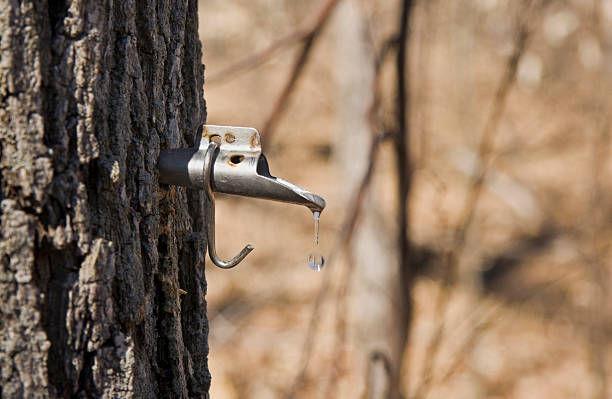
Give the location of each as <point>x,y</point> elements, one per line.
<point>470,204</point>
<point>398,41</point>
<point>347,230</point>
<point>597,341</point>
<point>404,173</point>
<point>339,356</point>
<point>351,220</point>
<point>254,60</point>
<point>341,309</point>
<point>489,318</point>
<point>428,33</point>
<point>344,288</point>
<point>346,235</point>
<point>258,58</point>
<point>296,72</point>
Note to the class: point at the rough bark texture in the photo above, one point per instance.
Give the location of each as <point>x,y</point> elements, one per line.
<point>94,254</point>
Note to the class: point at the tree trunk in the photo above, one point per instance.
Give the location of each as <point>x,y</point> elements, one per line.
<point>376,326</point>
<point>92,298</point>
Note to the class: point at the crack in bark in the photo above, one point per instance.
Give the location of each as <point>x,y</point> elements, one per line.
<point>91,91</point>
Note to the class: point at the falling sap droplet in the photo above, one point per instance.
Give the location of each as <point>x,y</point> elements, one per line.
<point>315,259</point>
<point>316,231</point>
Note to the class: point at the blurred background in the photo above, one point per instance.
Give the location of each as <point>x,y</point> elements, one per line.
<point>463,152</point>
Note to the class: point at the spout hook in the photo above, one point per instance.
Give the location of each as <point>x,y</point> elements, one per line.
<point>209,203</point>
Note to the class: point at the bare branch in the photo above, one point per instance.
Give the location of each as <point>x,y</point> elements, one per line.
<point>471,202</point>
<point>395,41</point>
<point>404,173</point>
<point>348,226</point>
<point>296,72</point>
<point>379,135</point>
<point>258,58</point>
<point>344,240</point>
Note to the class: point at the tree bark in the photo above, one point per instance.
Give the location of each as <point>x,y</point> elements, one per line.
<point>95,256</point>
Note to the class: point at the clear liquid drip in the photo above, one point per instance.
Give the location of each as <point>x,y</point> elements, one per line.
<point>316,231</point>
<point>316,259</point>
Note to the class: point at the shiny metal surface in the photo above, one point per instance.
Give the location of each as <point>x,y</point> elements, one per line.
<point>240,168</point>
<point>230,160</point>
<point>207,162</point>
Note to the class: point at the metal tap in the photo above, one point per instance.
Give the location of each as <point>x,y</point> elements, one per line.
<point>229,160</point>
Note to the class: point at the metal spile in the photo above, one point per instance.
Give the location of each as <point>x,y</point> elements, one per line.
<point>229,160</point>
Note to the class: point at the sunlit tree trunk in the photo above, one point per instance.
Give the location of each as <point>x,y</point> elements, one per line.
<point>101,269</point>
<point>376,325</point>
